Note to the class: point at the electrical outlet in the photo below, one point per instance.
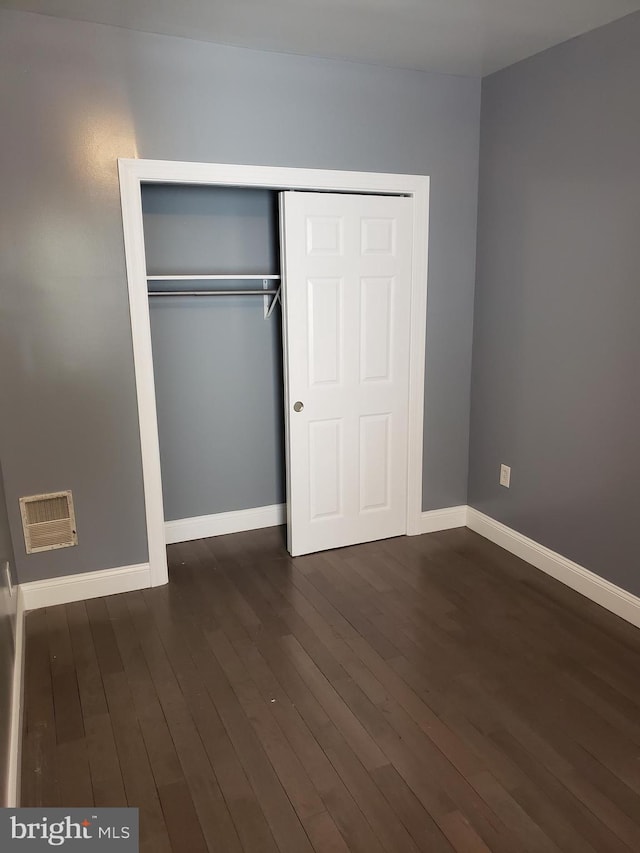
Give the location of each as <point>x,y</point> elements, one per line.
<point>505,476</point>
<point>7,575</point>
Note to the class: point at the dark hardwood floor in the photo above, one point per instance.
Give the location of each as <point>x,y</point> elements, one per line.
<point>418,694</point>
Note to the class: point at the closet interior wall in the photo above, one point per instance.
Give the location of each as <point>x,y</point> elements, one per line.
<point>217,360</point>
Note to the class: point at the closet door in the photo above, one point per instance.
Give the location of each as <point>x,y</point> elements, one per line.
<point>347,279</point>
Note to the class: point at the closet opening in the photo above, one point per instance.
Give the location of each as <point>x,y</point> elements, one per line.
<point>217,355</point>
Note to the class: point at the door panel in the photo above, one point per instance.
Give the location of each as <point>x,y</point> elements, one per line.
<point>346,299</point>
<point>325,468</point>
<point>375,456</point>
<point>376,321</point>
<point>325,331</point>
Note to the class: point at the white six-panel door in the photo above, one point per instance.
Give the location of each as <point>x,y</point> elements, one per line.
<point>347,281</point>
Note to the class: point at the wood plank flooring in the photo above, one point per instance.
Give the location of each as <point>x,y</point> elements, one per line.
<point>418,694</point>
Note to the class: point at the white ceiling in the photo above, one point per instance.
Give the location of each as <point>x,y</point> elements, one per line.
<point>472,37</point>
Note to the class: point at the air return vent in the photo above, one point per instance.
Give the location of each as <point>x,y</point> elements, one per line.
<point>48,522</point>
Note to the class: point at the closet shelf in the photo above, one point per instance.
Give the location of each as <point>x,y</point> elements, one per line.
<point>215,277</point>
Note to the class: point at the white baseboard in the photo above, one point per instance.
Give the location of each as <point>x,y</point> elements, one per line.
<point>203,526</point>
<point>438,519</point>
<point>62,590</point>
<point>47,593</point>
<point>15,727</point>
<point>587,583</point>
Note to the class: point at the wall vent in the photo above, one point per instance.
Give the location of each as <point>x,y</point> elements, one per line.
<point>48,522</point>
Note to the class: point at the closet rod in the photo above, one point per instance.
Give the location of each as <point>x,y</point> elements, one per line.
<point>213,277</point>
<point>212,292</point>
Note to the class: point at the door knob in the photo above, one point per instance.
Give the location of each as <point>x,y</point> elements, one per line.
<point>298,407</point>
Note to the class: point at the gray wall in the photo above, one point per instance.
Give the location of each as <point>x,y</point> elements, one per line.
<point>74,97</point>
<point>217,361</point>
<point>7,648</point>
<point>555,389</point>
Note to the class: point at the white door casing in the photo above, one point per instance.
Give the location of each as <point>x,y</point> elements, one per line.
<point>347,300</point>
<point>135,172</point>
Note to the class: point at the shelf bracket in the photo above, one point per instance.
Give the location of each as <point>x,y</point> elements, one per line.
<point>268,309</point>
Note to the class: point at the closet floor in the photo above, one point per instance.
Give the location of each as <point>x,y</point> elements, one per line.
<point>418,694</point>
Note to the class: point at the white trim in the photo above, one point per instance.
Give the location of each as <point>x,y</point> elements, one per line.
<point>203,526</point>
<point>17,693</point>
<point>135,172</point>
<point>417,343</point>
<point>143,365</point>
<point>269,177</point>
<point>440,519</point>
<point>62,590</point>
<point>587,583</point>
